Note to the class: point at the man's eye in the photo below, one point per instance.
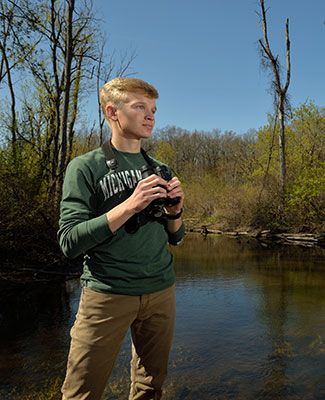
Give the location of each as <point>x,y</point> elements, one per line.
<point>140,106</point>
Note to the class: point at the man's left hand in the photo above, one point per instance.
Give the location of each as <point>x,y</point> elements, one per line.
<point>174,189</point>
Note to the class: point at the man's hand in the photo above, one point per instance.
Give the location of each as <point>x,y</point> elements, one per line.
<point>151,188</point>
<point>174,189</point>
<point>146,191</point>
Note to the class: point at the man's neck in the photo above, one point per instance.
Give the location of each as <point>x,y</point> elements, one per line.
<point>126,145</point>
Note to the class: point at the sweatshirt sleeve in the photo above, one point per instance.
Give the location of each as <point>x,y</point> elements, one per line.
<point>80,229</point>
<point>177,237</point>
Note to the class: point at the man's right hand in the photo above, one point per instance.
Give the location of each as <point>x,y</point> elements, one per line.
<point>148,189</point>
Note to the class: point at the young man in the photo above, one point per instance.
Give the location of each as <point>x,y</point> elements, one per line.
<point>111,213</point>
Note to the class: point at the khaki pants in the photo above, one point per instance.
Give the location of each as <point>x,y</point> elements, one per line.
<point>100,327</point>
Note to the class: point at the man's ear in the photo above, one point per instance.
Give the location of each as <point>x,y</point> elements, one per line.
<point>111,112</point>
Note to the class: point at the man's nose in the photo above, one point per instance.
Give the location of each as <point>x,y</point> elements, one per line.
<point>150,115</point>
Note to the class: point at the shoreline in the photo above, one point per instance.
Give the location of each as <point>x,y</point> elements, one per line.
<point>266,236</point>
<point>15,270</point>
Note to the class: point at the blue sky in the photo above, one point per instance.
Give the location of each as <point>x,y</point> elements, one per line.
<point>203,56</point>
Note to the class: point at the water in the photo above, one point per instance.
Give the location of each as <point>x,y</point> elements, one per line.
<point>250,325</point>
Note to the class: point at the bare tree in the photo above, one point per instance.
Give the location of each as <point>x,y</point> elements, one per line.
<point>105,69</point>
<point>69,52</point>
<point>279,90</point>
<point>54,46</point>
<point>7,64</point>
<point>102,73</point>
<point>63,61</point>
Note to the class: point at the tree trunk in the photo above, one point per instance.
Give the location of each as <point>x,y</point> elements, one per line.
<point>282,158</point>
<point>280,92</point>
<point>13,120</point>
<point>66,97</point>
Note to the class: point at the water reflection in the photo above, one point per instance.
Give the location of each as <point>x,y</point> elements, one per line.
<point>250,325</point>
<point>272,320</point>
<point>34,334</point>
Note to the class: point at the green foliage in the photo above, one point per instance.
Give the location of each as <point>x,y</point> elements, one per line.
<point>229,180</point>
<point>240,184</point>
<point>53,50</point>
<point>308,186</point>
<point>307,194</point>
<point>166,153</point>
<point>203,196</point>
<point>28,216</point>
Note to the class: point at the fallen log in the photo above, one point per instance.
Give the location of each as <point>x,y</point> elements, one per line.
<point>303,239</point>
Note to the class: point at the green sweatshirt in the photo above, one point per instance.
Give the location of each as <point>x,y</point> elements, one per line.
<point>121,262</point>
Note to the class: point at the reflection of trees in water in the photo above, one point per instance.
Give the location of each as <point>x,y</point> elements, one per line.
<point>228,255</point>
<point>24,308</point>
<point>34,338</point>
<point>288,319</point>
<point>35,323</point>
<point>274,303</point>
<point>284,276</point>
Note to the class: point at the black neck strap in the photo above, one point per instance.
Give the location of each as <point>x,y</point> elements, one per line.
<point>111,160</point>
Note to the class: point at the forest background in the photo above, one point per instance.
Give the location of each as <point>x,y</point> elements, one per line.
<point>231,180</point>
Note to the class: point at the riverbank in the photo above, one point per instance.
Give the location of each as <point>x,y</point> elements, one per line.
<point>265,236</point>
<point>16,269</point>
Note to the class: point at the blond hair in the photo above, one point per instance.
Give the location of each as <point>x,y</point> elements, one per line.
<point>115,91</point>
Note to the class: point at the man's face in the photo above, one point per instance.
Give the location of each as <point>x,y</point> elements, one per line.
<point>136,117</point>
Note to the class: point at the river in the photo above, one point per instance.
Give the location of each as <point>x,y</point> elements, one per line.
<point>250,325</point>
